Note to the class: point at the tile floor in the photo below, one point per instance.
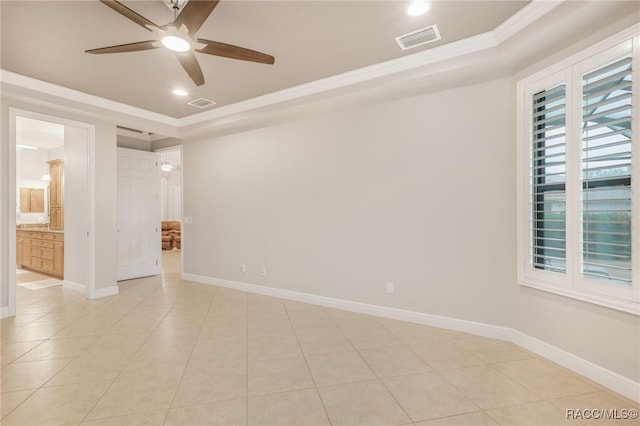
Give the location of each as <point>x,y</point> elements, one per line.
<point>26,276</point>
<point>171,352</point>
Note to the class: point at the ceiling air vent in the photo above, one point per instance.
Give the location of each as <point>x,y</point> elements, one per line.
<point>201,103</point>
<point>129,129</point>
<point>418,38</point>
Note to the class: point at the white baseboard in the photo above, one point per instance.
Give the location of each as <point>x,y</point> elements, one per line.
<point>70,285</point>
<point>104,292</point>
<point>610,379</point>
<point>605,377</point>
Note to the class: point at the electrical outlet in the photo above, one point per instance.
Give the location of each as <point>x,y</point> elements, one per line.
<point>263,271</point>
<point>390,288</point>
<point>243,268</point>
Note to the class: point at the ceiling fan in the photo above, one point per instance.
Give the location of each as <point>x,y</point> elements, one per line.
<point>178,37</point>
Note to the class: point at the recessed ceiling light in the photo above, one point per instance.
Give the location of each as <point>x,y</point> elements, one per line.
<point>419,7</point>
<point>175,43</point>
<point>180,92</point>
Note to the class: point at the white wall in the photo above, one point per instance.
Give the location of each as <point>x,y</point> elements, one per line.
<point>171,184</point>
<point>420,192</point>
<point>56,153</point>
<point>4,210</point>
<point>106,205</point>
<point>604,336</point>
<point>76,242</point>
<point>171,195</point>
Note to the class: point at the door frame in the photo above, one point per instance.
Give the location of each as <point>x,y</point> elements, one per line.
<point>14,113</point>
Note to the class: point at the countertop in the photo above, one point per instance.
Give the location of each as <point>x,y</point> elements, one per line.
<point>40,229</point>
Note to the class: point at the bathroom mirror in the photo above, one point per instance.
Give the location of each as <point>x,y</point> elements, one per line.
<point>32,200</point>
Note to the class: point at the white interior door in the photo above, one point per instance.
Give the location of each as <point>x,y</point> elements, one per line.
<point>139,242</point>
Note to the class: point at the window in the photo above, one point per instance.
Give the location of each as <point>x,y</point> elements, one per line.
<point>579,208</point>
<point>549,201</point>
<point>606,172</point>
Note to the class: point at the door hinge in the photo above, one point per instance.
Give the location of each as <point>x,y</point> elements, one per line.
<point>156,262</point>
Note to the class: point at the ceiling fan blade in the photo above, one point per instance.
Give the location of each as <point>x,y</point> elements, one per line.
<point>235,52</point>
<point>129,47</point>
<point>194,14</point>
<point>128,13</point>
<point>191,66</point>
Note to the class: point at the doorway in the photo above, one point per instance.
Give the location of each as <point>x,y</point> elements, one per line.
<point>171,190</point>
<point>61,229</point>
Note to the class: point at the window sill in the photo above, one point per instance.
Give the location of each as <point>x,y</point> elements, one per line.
<point>597,299</point>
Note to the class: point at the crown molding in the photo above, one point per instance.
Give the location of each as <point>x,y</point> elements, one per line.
<point>419,61</point>
<point>32,84</point>
<point>383,69</point>
<point>516,23</point>
<point>523,18</point>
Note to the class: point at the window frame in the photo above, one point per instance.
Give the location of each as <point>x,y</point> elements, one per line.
<point>569,72</point>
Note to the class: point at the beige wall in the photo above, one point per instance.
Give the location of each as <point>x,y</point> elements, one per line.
<point>419,192</point>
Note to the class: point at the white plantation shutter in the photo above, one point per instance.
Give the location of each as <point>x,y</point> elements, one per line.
<point>606,173</point>
<point>548,179</point>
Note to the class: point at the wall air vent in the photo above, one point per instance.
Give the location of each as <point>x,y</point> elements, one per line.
<point>418,37</point>
<point>201,103</point>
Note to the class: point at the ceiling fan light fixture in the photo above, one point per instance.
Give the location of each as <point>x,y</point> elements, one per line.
<point>180,92</point>
<point>175,3</point>
<point>418,7</point>
<point>175,43</point>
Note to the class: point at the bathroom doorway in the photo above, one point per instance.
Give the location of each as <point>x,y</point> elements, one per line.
<point>49,169</point>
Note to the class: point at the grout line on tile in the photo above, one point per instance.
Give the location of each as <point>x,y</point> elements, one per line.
<point>324,407</point>
<point>175,392</point>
